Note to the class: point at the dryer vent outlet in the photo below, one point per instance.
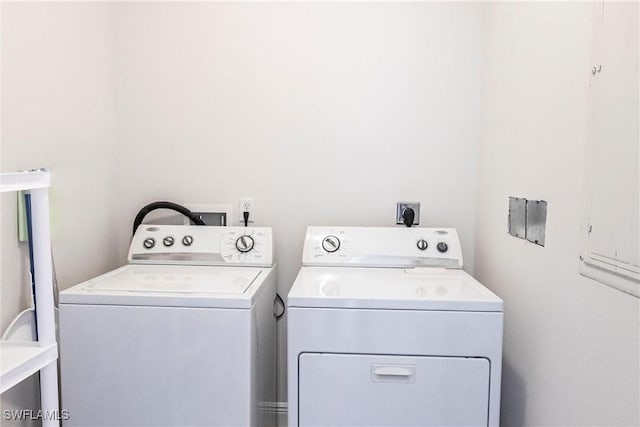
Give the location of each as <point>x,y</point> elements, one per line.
<point>400,208</point>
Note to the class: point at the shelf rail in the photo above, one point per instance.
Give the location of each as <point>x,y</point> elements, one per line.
<point>37,182</point>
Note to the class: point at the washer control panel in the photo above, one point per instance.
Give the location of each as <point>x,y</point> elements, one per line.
<point>382,247</point>
<point>198,245</point>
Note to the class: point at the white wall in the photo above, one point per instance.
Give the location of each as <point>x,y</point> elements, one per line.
<point>58,100</point>
<point>571,344</point>
<point>325,113</point>
<point>328,113</point>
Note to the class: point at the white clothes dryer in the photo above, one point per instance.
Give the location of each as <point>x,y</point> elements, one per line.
<point>386,329</point>
<point>184,335</point>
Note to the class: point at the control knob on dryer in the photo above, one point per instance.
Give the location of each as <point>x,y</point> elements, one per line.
<point>442,247</point>
<point>422,244</point>
<point>149,242</point>
<point>245,243</point>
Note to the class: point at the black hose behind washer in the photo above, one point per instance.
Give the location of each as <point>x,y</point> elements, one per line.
<point>165,205</point>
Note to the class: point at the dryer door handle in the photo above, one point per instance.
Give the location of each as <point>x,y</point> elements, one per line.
<point>394,371</point>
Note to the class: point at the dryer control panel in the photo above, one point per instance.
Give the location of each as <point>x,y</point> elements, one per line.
<point>382,247</point>
<point>195,245</point>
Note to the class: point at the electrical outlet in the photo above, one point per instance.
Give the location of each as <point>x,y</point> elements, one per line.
<point>401,206</point>
<point>247,204</point>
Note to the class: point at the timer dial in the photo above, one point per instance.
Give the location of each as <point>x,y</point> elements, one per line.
<point>244,243</point>
<point>422,244</point>
<point>331,244</point>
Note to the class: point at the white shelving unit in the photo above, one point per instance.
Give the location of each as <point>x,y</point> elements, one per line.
<point>19,360</point>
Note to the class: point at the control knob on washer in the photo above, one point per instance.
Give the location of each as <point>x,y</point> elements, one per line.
<point>168,241</point>
<point>187,240</point>
<point>245,243</point>
<point>149,242</point>
<point>443,247</point>
<point>331,244</point>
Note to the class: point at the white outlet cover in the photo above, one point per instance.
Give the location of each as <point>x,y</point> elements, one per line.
<point>252,209</point>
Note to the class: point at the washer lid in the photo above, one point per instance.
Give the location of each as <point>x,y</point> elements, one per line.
<point>391,288</point>
<point>171,285</point>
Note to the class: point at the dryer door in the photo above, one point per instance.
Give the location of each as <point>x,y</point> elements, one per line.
<point>378,390</point>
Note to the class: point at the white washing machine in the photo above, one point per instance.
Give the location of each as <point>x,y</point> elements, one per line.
<point>184,335</point>
<point>386,329</point>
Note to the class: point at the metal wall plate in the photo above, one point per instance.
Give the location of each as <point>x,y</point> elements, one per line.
<point>536,221</point>
<point>518,217</point>
<point>528,219</point>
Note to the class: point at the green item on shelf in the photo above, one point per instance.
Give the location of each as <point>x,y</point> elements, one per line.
<point>23,234</point>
